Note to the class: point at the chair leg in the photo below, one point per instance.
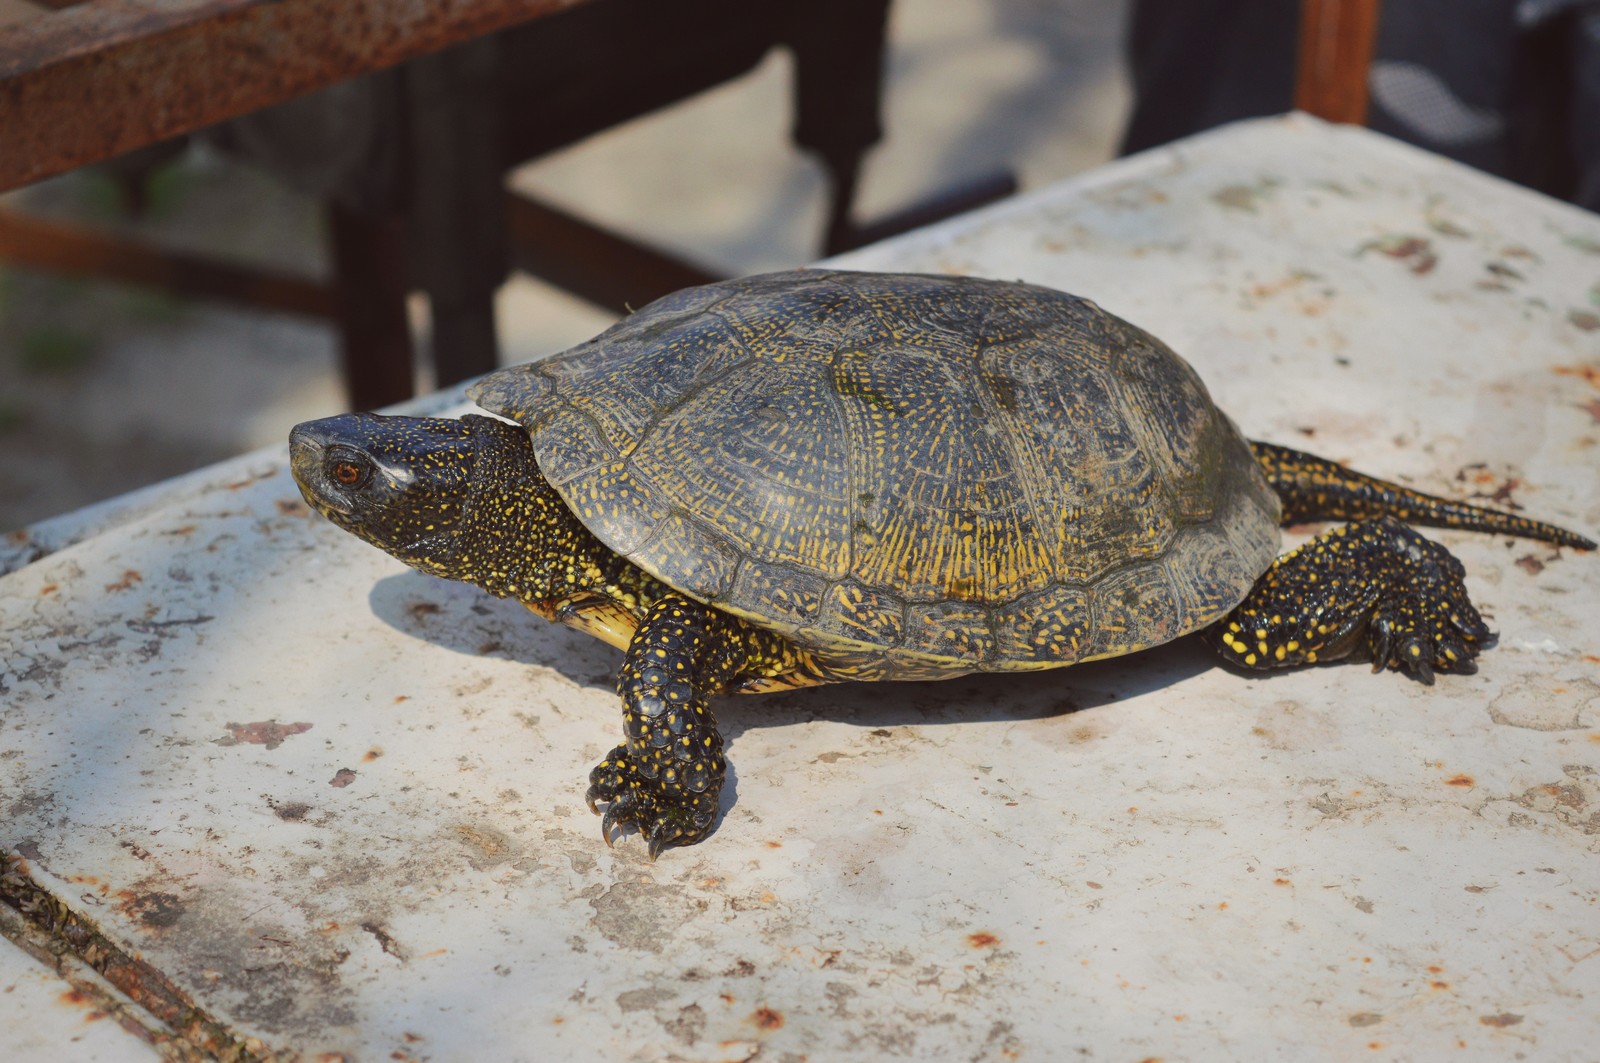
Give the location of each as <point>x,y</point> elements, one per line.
<point>457,214</point>
<point>838,48</point>
<point>839,56</point>
<point>1336,42</point>
<point>374,332</point>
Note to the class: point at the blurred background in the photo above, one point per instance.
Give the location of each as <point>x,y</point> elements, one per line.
<point>107,386</point>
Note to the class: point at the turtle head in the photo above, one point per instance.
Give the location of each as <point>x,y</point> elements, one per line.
<point>408,485</point>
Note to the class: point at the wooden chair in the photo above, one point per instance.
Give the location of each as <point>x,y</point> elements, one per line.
<point>474,110</point>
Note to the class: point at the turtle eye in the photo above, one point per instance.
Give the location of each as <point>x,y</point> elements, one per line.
<point>349,470</point>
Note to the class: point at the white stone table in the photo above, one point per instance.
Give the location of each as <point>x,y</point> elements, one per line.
<point>303,800</point>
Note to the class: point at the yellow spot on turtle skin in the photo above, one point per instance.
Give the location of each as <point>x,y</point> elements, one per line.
<point>1261,647</point>
<point>1311,656</point>
<point>1250,658</point>
<point>1292,646</point>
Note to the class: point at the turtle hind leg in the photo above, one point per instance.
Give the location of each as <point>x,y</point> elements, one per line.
<point>1372,588</point>
<point>666,777</point>
<point>1314,488</point>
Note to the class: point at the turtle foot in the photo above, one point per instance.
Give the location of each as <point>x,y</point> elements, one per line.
<point>1373,587</point>
<point>1427,624</point>
<point>666,812</point>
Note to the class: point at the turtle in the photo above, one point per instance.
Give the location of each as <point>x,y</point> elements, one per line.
<point>817,476</point>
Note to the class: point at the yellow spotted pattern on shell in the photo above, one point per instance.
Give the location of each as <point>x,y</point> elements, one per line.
<point>907,476</point>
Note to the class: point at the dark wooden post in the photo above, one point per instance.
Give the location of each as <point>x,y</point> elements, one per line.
<point>457,217</point>
<point>369,264</point>
<point>1336,39</point>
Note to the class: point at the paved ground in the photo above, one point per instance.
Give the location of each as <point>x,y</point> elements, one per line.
<point>105,388</point>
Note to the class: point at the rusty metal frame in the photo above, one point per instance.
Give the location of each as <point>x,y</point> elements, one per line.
<point>98,79</point>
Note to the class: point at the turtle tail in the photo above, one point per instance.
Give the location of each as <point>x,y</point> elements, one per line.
<point>1313,489</point>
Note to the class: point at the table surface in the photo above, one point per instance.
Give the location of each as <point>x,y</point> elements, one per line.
<point>181,65</point>
<point>338,804</point>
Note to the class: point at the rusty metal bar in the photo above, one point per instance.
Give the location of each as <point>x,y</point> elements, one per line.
<point>990,188</point>
<point>83,252</point>
<point>92,81</point>
<point>1336,42</point>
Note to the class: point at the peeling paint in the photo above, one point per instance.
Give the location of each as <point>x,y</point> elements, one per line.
<point>643,915</point>
<point>1574,802</point>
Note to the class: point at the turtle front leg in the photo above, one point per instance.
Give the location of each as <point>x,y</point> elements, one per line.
<point>1374,587</point>
<point>666,777</point>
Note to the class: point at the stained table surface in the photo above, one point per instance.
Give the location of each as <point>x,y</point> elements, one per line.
<point>309,802</point>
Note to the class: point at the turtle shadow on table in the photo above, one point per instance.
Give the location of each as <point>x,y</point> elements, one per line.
<point>989,697</point>
<point>467,620</point>
<point>463,619</point>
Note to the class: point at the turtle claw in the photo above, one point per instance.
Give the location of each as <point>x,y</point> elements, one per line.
<point>1428,624</point>
<point>612,816</point>
<point>666,817</point>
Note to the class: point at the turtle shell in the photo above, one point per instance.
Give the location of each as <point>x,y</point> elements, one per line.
<point>912,475</point>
